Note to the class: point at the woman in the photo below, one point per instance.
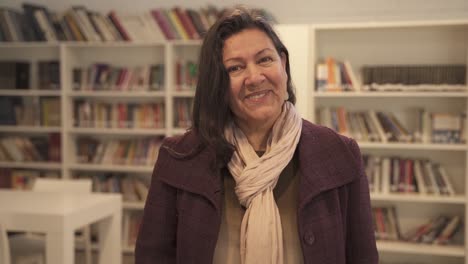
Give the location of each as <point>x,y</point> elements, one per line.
<point>252,182</point>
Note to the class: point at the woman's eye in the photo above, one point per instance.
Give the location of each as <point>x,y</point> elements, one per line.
<point>265,60</point>
<point>233,68</point>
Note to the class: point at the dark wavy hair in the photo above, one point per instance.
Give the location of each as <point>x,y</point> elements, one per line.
<point>211,112</point>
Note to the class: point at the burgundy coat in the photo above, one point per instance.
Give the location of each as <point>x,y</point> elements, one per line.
<point>182,214</point>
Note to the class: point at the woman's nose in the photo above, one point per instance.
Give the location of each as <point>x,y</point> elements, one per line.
<point>255,76</point>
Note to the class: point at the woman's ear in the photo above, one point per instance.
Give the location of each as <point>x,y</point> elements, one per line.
<point>283,60</point>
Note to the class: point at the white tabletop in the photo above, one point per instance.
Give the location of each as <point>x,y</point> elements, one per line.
<point>50,203</point>
<point>63,213</point>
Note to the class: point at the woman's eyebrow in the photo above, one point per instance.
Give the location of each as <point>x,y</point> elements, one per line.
<point>256,54</point>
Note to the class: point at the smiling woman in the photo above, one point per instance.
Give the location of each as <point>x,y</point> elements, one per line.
<point>251,182</point>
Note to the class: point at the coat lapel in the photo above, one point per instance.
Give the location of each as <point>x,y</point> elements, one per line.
<point>325,162</point>
<point>193,174</point>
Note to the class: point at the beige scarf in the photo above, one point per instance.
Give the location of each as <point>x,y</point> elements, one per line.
<point>256,177</point>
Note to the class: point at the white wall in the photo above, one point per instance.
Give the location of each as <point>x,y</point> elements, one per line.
<point>292,11</point>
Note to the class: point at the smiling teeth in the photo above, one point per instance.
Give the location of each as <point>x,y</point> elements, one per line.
<point>257,96</point>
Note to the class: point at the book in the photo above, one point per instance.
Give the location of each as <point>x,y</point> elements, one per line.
<point>196,20</point>
<point>186,22</point>
<point>31,19</point>
<point>14,75</point>
<point>170,23</point>
<point>174,19</point>
<point>163,23</point>
<point>114,18</point>
<point>448,231</point>
<point>70,20</point>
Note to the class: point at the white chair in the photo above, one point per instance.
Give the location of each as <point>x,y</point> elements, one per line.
<point>24,244</point>
<point>4,246</point>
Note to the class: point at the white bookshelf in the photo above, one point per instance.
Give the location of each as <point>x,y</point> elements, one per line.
<point>71,55</point>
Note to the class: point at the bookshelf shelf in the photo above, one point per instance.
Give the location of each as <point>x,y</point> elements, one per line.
<point>390,94</point>
<point>413,146</point>
<point>418,198</point>
<point>388,25</point>
<point>195,43</point>
<point>95,248</point>
<point>29,92</point>
<point>120,44</point>
<point>116,94</point>
<point>188,94</point>
<point>33,44</point>
<point>31,165</point>
<point>30,129</point>
<point>111,168</point>
<point>133,205</point>
<point>128,250</point>
<point>421,249</point>
<point>118,131</point>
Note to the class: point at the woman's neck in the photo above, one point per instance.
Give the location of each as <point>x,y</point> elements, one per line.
<point>257,135</point>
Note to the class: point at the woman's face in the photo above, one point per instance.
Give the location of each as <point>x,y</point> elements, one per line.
<point>257,76</point>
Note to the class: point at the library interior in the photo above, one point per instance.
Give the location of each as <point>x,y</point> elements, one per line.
<point>89,90</point>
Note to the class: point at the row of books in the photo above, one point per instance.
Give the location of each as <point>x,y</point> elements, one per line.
<point>30,111</point>
<point>405,175</point>
<point>183,112</point>
<point>336,76</point>
<point>23,179</point>
<point>38,23</point>
<point>30,149</point>
<point>379,126</point>
<point>105,77</point>
<point>333,75</point>
<point>142,151</point>
<point>132,187</point>
<point>88,113</point>
<point>414,74</point>
<point>17,74</point>
<point>186,75</point>
<point>440,230</point>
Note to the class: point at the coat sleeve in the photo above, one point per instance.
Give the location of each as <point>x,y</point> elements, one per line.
<point>156,242</point>
<point>360,239</point>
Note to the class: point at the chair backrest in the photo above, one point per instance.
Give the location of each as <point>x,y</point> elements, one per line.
<point>4,246</point>
<point>63,185</point>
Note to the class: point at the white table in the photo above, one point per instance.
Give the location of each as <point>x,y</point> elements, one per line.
<point>59,215</point>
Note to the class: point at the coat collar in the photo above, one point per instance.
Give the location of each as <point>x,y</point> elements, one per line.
<point>325,162</point>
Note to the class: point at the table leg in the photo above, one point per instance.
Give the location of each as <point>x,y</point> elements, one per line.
<point>110,247</point>
<point>60,248</point>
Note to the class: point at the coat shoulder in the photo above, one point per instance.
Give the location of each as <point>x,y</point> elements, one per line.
<point>324,134</point>
<point>330,139</point>
<point>183,146</point>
